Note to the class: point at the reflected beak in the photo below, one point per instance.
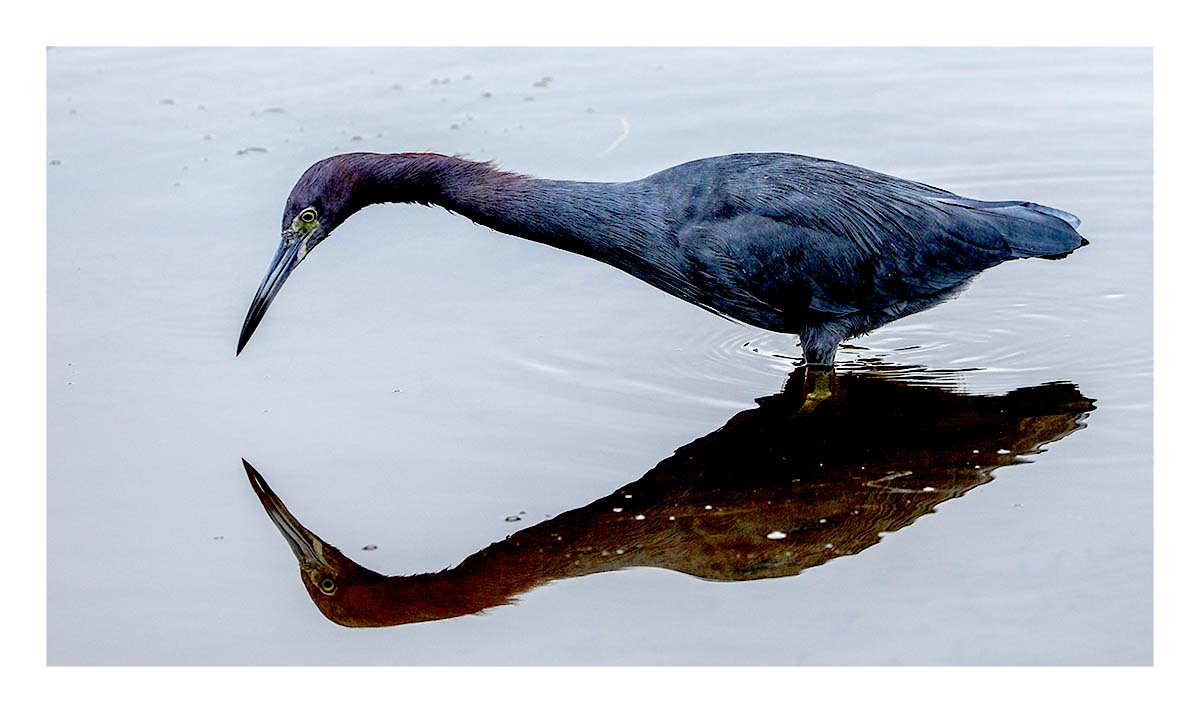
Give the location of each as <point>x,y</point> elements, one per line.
<point>287,257</point>
<point>308,548</point>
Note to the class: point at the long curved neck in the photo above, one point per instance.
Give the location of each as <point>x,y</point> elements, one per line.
<point>591,219</point>
<point>499,573</point>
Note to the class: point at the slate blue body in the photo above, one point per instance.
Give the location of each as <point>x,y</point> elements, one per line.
<point>787,243</point>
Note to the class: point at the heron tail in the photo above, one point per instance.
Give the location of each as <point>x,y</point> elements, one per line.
<point>1069,218</point>
<point>1032,229</point>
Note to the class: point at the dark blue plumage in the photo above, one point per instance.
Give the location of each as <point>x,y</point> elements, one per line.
<point>783,242</point>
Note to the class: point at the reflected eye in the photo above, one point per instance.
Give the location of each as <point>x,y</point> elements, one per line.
<point>308,215</point>
<point>327,586</point>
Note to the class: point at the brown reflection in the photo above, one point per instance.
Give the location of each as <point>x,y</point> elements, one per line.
<point>771,493</point>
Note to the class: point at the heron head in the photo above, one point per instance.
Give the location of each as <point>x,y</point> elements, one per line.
<point>328,193</point>
<point>343,590</point>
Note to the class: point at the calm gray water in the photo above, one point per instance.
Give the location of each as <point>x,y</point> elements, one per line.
<point>422,381</point>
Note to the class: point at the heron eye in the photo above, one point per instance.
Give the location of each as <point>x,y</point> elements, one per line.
<point>328,586</point>
<point>308,215</point>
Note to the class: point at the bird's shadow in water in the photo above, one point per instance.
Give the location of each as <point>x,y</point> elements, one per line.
<point>773,492</point>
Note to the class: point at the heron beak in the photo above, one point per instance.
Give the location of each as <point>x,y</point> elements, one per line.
<point>308,548</point>
<point>287,257</point>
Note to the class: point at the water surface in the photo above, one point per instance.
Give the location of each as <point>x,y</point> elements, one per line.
<point>422,382</point>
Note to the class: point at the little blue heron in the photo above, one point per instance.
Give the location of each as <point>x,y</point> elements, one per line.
<point>786,243</point>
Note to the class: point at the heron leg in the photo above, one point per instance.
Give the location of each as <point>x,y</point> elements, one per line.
<point>820,347</point>
<point>821,388</point>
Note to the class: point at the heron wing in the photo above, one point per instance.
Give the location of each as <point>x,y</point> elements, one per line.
<point>840,239</point>
<point>866,252</point>
<point>771,237</point>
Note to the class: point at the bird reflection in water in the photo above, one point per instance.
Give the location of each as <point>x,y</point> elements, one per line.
<point>773,492</point>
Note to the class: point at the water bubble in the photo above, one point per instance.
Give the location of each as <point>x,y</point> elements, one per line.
<point>928,489</point>
<point>708,507</point>
<point>776,535</point>
<point>1004,451</point>
<point>639,517</point>
<point>618,509</point>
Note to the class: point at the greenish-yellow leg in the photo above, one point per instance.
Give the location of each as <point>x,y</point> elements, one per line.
<point>822,389</point>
